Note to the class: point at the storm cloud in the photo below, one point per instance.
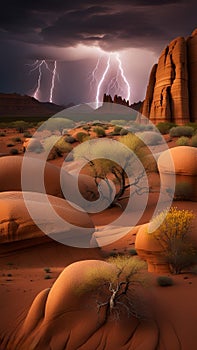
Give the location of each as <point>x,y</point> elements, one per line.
<point>111,25</point>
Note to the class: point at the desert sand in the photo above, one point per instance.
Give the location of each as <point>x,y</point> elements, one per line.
<point>39,279</point>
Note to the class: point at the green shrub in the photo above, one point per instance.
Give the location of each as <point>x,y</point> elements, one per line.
<point>57,123</point>
<point>47,269</point>
<point>120,122</point>
<point>16,139</point>
<point>14,151</point>
<point>47,277</point>
<point>27,135</point>
<point>194,141</point>
<point>117,130</point>
<point>151,138</point>
<point>164,127</point>
<point>181,131</point>
<point>100,132</point>
<point>70,139</point>
<point>132,251</point>
<point>164,281</point>
<point>124,132</point>
<point>182,141</point>
<point>86,127</point>
<point>193,125</point>
<point>81,136</point>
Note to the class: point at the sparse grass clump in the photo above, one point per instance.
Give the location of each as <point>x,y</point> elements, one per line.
<point>82,136</point>
<point>47,277</point>
<point>182,141</point>
<point>194,141</point>
<point>10,144</point>
<point>27,135</point>
<point>14,151</point>
<point>181,131</point>
<point>117,130</point>
<point>16,139</point>
<point>164,281</point>
<point>2,134</point>
<point>164,127</point>
<point>47,269</point>
<point>100,131</point>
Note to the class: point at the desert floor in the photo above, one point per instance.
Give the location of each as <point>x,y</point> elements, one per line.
<point>23,272</point>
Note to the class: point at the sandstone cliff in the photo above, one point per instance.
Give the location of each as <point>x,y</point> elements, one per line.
<point>172,89</point>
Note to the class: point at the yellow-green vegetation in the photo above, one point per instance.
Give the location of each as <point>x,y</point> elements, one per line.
<point>122,268</point>
<point>114,284</point>
<point>183,141</point>
<point>173,234</point>
<point>58,143</point>
<point>100,132</point>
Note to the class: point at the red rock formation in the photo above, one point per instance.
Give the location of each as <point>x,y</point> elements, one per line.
<point>192,69</point>
<point>119,100</point>
<point>172,85</point>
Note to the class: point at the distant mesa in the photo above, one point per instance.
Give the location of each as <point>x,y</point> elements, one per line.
<point>172,88</point>
<point>24,106</point>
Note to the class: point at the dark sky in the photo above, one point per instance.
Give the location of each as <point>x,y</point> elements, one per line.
<point>76,34</point>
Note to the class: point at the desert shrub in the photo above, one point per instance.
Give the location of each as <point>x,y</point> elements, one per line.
<point>192,124</point>
<point>132,141</point>
<point>117,130</point>
<point>181,131</point>
<point>132,252</point>
<point>100,132</point>
<point>27,135</point>
<point>110,286</point>
<point>86,127</point>
<point>16,139</point>
<point>120,122</point>
<point>14,151</point>
<point>182,141</point>
<point>2,134</point>
<point>10,145</point>
<point>151,138</point>
<point>47,269</point>
<point>70,139</point>
<point>164,281</point>
<point>20,125</point>
<point>81,136</point>
<point>47,277</point>
<point>57,123</point>
<point>63,146</point>
<point>183,191</point>
<point>172,232</point>
<point>59,145</point>
<point>194,141</point>
<point>164,127</point>
<point>123,132</point>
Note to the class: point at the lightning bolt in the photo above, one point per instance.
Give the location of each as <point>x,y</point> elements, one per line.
<point>102,80</point>
<point>54,73</point>
<point>93,73</point>
<point>123,76</point>
<point>37,65</point>
<point>115,82</point>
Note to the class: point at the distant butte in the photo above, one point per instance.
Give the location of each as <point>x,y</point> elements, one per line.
<point>121,101</point>
<point>172,88</point>
<point>24,106</point>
